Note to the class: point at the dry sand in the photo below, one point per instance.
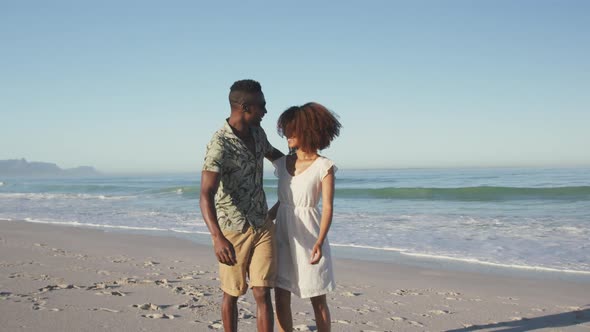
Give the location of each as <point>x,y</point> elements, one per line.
<point>55,278</point>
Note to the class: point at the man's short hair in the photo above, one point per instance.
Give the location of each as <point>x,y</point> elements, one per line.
<point>240,90</point>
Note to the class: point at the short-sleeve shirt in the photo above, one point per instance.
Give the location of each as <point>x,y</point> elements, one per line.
<point>240,198</point>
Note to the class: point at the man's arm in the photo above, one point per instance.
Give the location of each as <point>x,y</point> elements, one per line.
<point>224,250</point>
<point>273,154</point>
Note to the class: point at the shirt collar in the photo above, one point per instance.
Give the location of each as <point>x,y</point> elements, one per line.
<point>228,131</point>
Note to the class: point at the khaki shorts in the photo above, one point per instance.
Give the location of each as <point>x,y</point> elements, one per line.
<point>256,257</point>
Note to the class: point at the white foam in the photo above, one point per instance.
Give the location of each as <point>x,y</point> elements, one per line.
<point>462,259</point>
<point>514,266</point>
<point>79,224</point>
<point>189,232</point>
<point>46,196</point>
<point>367,247</point>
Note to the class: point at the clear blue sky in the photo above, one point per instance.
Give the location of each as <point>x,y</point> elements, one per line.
<point>141,86</point>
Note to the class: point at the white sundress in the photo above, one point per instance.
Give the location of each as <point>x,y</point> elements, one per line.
<point>297,229</point>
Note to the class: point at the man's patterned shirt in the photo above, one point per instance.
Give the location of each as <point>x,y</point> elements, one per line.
<point>240,198</point>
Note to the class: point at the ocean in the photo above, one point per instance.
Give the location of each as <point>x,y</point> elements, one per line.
<point>517,218</point>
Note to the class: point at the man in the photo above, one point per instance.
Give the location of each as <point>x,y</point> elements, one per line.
<point>234,207</point>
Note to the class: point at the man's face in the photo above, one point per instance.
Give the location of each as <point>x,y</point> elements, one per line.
<point>255,109</point>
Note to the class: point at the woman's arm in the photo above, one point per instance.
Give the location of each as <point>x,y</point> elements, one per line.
<point>327,212</point>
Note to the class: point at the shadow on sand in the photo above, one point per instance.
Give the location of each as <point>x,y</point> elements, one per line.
<point>530,324</point>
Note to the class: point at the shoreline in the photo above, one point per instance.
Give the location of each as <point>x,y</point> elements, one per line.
<point>73,278</point>
<point>362,253</point>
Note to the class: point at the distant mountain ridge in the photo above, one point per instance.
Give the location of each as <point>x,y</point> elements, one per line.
<point>21,167</point>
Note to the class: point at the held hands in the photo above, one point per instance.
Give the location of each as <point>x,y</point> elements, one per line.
<point>224,251</point>
<point>316,253</point>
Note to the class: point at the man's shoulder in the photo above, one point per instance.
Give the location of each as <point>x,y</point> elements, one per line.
<point>258,131</point>
<point>220,134</point>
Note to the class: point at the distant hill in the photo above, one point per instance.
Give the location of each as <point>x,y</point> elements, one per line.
<point>21,167</point>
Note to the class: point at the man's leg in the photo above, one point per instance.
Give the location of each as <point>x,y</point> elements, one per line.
<point>229,313</point>
<point>264,312</point>
<point>284,315</point>
<point>233,279</point>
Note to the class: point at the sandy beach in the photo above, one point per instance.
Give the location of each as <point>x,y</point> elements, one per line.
<point>55,278</point>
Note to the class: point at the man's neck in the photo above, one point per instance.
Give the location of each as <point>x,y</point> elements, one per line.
<point>240,128</point>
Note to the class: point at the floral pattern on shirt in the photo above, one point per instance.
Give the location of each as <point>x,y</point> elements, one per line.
<point>240,198</point>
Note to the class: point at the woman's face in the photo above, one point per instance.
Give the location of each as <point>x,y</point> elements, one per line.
<point>292,142</point>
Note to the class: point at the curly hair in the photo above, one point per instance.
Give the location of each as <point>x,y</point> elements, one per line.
<point>313,124</point>
<point>240,90</point>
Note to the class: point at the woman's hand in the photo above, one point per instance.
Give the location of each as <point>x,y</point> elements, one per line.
<point>316,254</point>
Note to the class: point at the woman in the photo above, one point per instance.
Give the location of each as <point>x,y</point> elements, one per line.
<point>303,250</point>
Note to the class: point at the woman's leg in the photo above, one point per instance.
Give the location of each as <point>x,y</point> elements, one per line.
<point>322,313</point>
<point>283,308</point>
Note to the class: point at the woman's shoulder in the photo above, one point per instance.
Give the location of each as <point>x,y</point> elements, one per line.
<point>326,161</point>
<point>326,164</point>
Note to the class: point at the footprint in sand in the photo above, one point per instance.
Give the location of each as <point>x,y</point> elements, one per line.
<point>370,309</point>
<point>97,286</point>
<point>415,323</point>
<point>508,298</point>
<point>245,315</point>
<point>346,308</point>
<point>340,321</point>
<point>161,282</point>
<point>403,319</point>
<point>350,294</point>
<point>105,309</point>
<point>119,260</point>
<point>186,277</point>
<point>439,312</point>
<point>147,306</point>
<point>50,288</point>
<point>39,305</point>
<point>371,324</point>
<point>115,293</point>
<point>304,327</point>
<point>406,292</point>
<point>215,325</point>
<point>159,316</point>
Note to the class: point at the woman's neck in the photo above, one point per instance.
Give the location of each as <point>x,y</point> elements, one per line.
<point>306,155</point>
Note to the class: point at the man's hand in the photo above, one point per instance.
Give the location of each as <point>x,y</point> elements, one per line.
<point>224,251</point>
